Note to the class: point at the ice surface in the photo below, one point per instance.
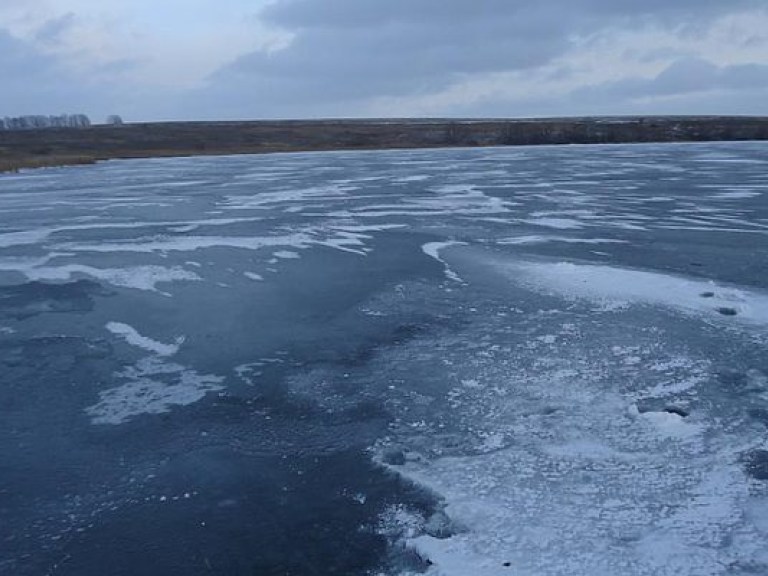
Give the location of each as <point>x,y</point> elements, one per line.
<point>587,413</point>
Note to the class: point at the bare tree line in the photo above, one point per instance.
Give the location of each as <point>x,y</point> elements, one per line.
<point>37,122</point>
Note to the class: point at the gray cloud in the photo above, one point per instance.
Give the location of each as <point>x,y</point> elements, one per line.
<point>30,79</point>
<point>373,13</point>
<point>18,60</point>
<point>348,51</point>
<point>347,56</point>
<point>683,78</point>
<point>52,30</point>
<point>688,86</point>
<point>33,82</point>
<point>696,75</point>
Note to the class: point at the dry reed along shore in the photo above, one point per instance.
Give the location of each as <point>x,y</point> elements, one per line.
<point>69,146</point>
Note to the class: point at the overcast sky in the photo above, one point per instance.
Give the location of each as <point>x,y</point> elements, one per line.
<point>230,59</point>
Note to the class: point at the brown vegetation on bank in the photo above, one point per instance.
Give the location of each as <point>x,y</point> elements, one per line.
<point>61,146</point>
<point>30,162</point>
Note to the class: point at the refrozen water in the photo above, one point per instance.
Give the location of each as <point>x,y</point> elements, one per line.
<point>542,361</point>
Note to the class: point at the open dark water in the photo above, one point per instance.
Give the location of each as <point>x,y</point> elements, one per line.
<point>537,361</point>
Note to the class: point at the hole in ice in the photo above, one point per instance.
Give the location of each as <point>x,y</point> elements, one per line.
<point>393,456</point>
<point>756,464</point>
<point>652,405</point>
<point>726,311</point>
<point>759,414</point>
<point>677,410</point>
<point>707,294</point>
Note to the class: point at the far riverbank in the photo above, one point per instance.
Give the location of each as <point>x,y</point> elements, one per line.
<point>24,149</point>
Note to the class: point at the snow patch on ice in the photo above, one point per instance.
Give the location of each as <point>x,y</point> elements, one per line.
<point>670,424</point>
<point>535,239</point>
<point>286,255</point>
<point>137,277</point>
<point>558,223</point>
<point>24,237</point>
<point>432,249</point>
<point>737,194</point>
<point>620,287</point>
<point>363,228</point>
<point>153,387</point>
<point>193,243</point>
<point>130,335</point>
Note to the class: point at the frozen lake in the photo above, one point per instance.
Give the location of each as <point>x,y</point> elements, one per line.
<point>528,361</point>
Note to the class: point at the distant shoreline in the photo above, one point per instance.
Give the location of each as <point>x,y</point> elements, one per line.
<point>39,148</point>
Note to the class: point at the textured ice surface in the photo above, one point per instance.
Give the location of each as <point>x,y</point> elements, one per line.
<point>558,223</point>
<point>585,395</point>
<point>566,451</point>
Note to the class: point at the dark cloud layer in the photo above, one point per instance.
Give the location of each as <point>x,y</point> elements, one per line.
<point>348,56</point>
<point>373,13</point>
<point>346,52</point>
